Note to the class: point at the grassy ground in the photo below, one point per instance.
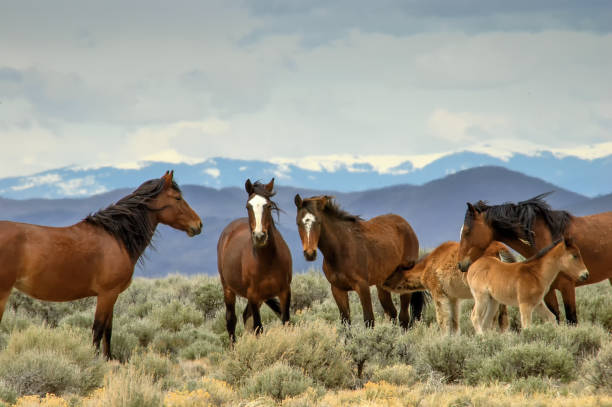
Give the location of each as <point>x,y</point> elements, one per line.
<point>170,341</point>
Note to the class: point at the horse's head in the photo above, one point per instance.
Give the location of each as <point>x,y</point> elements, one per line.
<point>309,213</point>
<point>259,206</point>
<point>173,210</point>
<point>570,260</point>
<point>476,235</point>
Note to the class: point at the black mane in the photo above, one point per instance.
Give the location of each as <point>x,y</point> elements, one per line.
<point>260,189</point>
<point>334,209</point>
<point>516,221</point>
<point>544,250</point>
<point>128,220</point>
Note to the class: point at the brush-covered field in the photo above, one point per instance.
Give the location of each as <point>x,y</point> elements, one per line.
<point>171,347</point>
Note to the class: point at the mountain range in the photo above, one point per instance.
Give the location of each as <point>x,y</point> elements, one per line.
<point>583,176</point>
<point>435,210</point>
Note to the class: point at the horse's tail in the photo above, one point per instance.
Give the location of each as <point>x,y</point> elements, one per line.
<point>274,305</point>
<point>418,300</point>
<point>502,319</point>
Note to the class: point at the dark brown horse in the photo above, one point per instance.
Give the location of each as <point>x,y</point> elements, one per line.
<point>95,257</point>
<point>532,225</point>
<point>254,261</point>
<point>358,254</point>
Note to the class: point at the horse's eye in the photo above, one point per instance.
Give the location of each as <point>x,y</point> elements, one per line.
<point>178,198</point>
<point>575,256</point>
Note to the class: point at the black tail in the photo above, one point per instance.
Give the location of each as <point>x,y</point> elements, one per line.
<point>418,300</point>
<point>274,305</point>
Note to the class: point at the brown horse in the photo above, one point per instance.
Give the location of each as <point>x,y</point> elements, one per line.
<point>95,257</point>
<point>522,284</point>
<point>531,225</point>
<point>358,254</point>
<point>254,261</point>
<point>437,272</point>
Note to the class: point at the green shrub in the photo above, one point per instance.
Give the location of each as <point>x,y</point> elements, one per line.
<point>152,364</point>
<point>399,375</point>
<point>525,360</point>
<point>202,347</point>
<point>144,330</point>
<point>451,356</point>
<point>598,370</point>
<point>307,289</point>
<point>175,315</point>
<point>314,348</point>
<point>367,344</point>
<point>278,381</point>
<point>123,344</point>
<point>41,360</point>
<point>82,319</point>
<point>208,298</point>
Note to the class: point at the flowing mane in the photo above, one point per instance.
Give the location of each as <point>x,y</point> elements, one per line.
<point>260,189</point>
<point>334,209</point>
<point>516,220</point>
<point>128,220</point>
<point>543,251</point>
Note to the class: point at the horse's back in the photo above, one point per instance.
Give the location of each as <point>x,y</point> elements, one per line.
<point>394,230</point>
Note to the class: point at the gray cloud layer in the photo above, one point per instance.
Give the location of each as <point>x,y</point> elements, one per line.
<point>93,83</point>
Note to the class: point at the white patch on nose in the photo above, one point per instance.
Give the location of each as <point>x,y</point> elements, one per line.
<point>257,203</point>
<point>461,232</point>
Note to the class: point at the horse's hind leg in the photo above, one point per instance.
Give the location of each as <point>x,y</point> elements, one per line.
<point>257,326</point>
<point>342,301</point>
<point>387,302</point>
<point>4,296</point>
<point>103,320</point>
<point>455,316</point>
<point>404,315</point>
<point>285,304</point>
<point>544,312</point>
<point>230,313</point>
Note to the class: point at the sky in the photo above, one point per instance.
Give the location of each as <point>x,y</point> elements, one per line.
<point>91,83</point>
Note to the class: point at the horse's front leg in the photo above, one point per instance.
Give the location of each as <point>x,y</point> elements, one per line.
<point>102,326</point>
<point>363,291</point>
<point>342,301</point>
<point>550,299</point>
<point>568,293</point>
<point>257,325</point>
<point>386,301</point>
<point>4,296</point>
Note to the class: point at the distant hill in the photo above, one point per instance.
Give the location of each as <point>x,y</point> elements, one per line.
<point>435,210</point>
<point>333,173</point>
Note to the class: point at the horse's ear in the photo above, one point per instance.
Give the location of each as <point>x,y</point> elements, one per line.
<point>248,186</point>
<point>298,201</point>
<point>270,186</point>
<point>168,178</point>
<point>471,208</point>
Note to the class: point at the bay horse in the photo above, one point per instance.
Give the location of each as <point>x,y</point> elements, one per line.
<point>437,272</point>
<point>95,257</point>
<point>254,261</point>
<point>358,254</point>
<point>521,284</point>
<point>531,225</point>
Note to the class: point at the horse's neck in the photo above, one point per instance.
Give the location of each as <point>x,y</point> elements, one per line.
<point>548,268</point>
<point>333,233</point>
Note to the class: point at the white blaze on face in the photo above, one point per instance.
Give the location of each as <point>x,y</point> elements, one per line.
<point>257,203</point>
<point>308,220</point>
<point>461,232</point>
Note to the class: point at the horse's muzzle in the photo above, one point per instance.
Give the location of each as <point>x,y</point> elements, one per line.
<point>194,230</point>
<point>464,265</point>
<point>583,276</point>
<point>310,255</point>
<point>260,239</point>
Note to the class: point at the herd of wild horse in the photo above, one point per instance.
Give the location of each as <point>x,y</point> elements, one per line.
<point>97,256</point>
